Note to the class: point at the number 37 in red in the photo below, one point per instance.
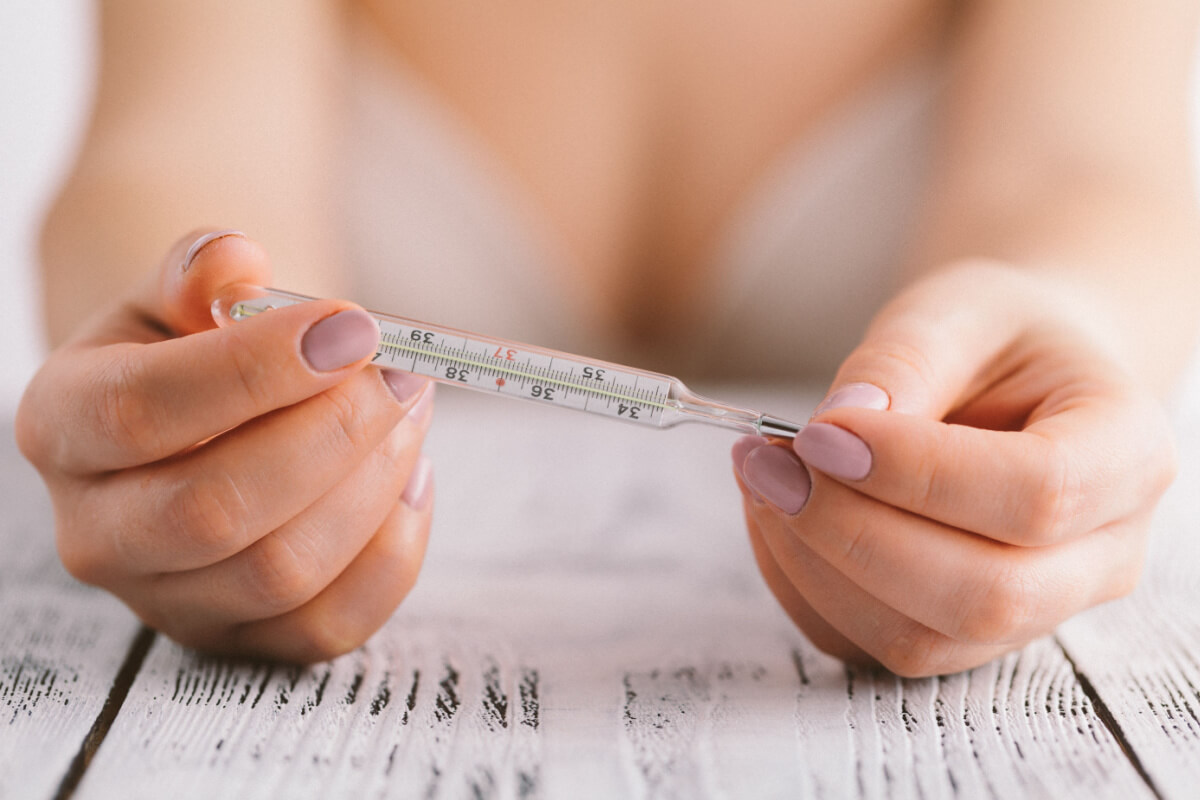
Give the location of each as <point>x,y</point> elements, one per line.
<point>505,354</point>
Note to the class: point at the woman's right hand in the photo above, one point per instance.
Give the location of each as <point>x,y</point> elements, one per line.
<point>251,489</point>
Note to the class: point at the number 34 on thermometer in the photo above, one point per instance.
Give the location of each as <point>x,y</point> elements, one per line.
<point>527,372</point>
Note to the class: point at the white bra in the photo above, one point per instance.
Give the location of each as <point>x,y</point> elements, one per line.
<point>437,231</point>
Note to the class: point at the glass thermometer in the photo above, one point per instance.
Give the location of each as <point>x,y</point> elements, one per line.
<point>528,372</point>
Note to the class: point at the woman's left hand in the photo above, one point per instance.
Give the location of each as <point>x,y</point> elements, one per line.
<point>982,469</point>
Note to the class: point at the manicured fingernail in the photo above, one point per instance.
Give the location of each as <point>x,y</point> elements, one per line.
<point>855,395</point>
<point>423,408</point>
<point>778,477</point>
<point>834,451</point>
<point>340,340</point>
<point>744,447</point>
<point>202,242</point>
<point>417,493</point>
<point>404,385</point>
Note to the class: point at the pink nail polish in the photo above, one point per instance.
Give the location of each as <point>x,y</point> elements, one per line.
<point>776,475</point>
<point>744,447</point>
<point>417,493</point>
<point>423,408</point>
<point>202,242</point>
<point>834,451</point>
<point>855,395</point>
<point>340,340</point>
<point>403,385</point>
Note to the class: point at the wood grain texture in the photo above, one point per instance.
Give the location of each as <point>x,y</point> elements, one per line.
<point>61,644</point>
<point>592,625</point>
<point>1019,727</point>
<point>1142,654</point>
<point>408,715</point>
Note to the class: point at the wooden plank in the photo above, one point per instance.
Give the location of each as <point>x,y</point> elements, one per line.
<point>1142,655</point>
<point>398,717</point>
<point>592,625</point>
<point>61,644</point>
<point>1018,727</point>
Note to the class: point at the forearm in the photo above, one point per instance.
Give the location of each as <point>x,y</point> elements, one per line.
<point>109,219</point>
<point>232,125</point>
<point>1066,149</point>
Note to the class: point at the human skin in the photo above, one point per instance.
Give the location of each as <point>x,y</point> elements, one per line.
<point>253,490</point>
<point>983,471</point>
<point>1061,234</point>
<point>1011,481</point>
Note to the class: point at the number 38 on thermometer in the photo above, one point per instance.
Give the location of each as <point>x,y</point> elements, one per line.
<point>527,372</point>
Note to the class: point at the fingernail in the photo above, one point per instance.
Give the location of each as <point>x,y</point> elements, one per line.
<point>404,385</point>
<point>417,493</point>
<point>834,451</point>
<point>202,242</point>
<point>423,408</point>
<point>855,395</point>
<point>776,475</point>
<point>340,340</point>
<point>744,447</point>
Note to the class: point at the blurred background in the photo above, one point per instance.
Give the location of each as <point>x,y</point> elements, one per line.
<point>46,65</point>
<point>46,71</point>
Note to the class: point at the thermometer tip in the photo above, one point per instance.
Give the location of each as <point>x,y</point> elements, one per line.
<point>774,426</point>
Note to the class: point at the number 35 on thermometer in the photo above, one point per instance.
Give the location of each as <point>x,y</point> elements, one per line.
<point>528,372</point>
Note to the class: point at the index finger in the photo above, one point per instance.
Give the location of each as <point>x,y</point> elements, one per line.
<point>130,404</point>
<point>1093,460</point>
<point>121,395</point>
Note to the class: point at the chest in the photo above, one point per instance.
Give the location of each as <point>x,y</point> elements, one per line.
<point>637,128</point>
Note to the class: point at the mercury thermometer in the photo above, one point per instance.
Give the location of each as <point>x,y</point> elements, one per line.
<point>528,372</point>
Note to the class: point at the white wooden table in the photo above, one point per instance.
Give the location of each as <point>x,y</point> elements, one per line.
<point>589,624</point>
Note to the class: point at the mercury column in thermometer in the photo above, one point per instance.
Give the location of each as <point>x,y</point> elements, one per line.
<point>528,372</point>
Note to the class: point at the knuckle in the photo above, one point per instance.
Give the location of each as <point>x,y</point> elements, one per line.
<point>82,537</point>
<point>156,614</point>
<point>155,619</point>
<point>1130,577</point>
<point>195,636</point>
<point>279,575</point>
<point>1049,509</point>
<point>396,450</point>
<point>1128,567</point>
<point>1003,610</point>
<point>1166,461</point>
<point>211,512</point>
<point>248,368</point>
<point>1127,580</point>
<point>859,546</point>
<point>81,563</point>
<point>323,637</point>
<point>123,414</point>
<point>351,428</point>
<point>392,548</point>
<point>918,652</point>
<point>29,430</point>
<point>927,480</point>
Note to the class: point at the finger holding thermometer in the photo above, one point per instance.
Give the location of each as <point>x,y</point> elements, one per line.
<point>527,372</point>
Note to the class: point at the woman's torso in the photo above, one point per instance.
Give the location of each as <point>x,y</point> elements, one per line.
<point>635,141</point>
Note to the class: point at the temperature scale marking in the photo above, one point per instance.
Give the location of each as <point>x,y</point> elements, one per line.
<point>561,379</point>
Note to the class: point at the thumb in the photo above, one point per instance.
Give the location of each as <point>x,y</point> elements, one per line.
<point>196,270</point>
<point>924,351</point>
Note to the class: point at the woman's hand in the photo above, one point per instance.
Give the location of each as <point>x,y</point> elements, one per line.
<point>981,470</point>
<point>251,489</point>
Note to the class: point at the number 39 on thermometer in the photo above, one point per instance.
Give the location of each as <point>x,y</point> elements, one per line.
<point>528,372</point>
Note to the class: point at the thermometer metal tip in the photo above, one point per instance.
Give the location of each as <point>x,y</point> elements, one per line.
<point>527,372</point>
<point>774,426</point>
